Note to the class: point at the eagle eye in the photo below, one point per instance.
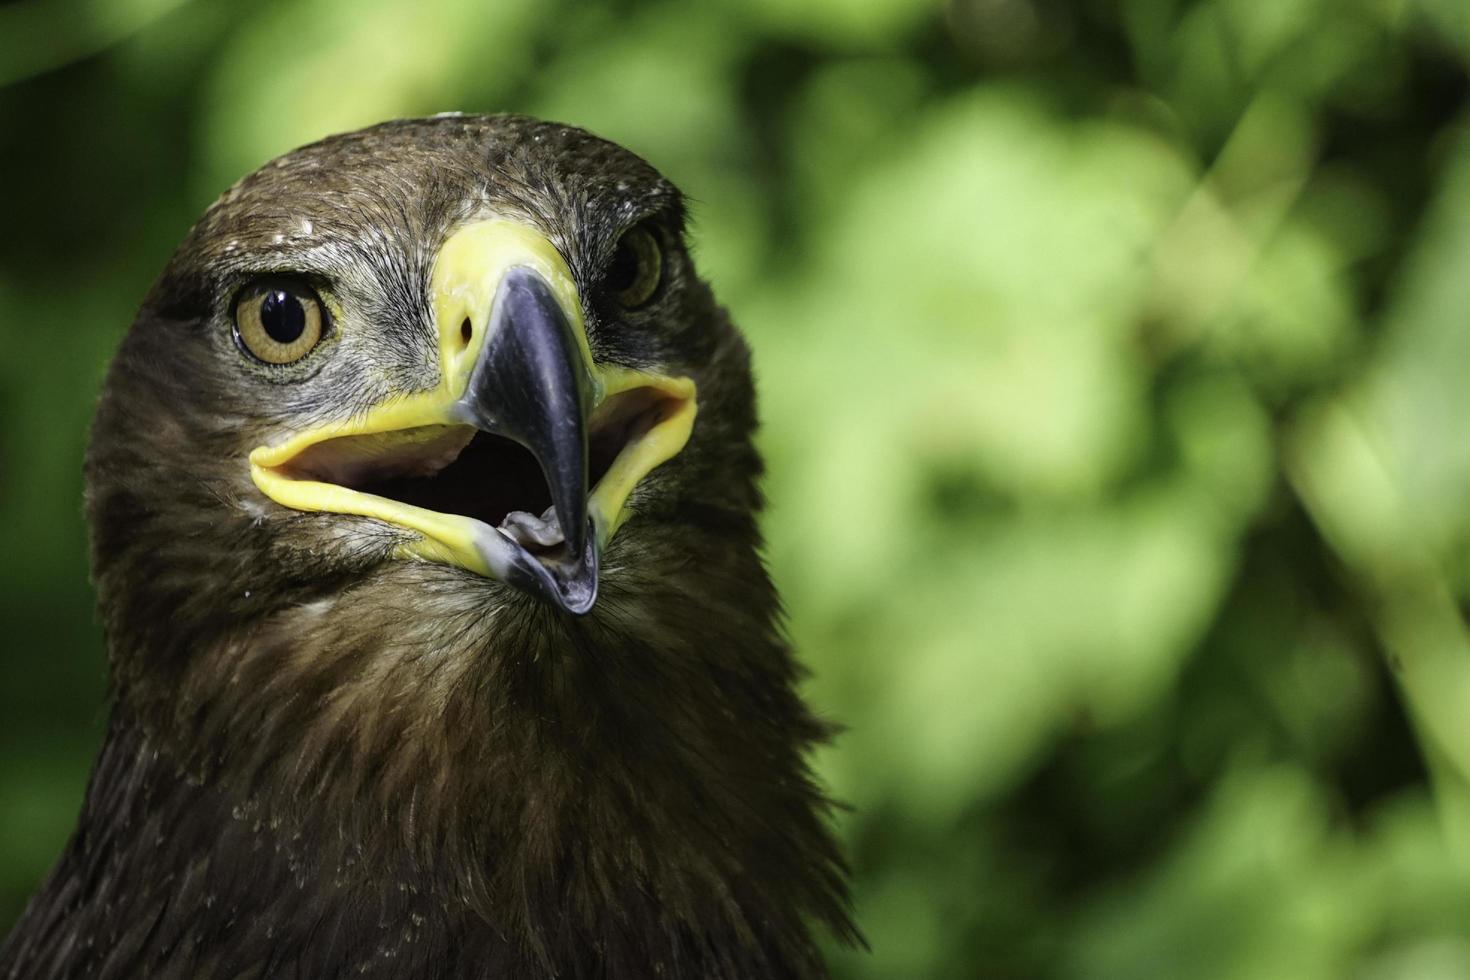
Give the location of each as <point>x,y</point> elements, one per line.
<point>636,269</point>
<point>278,321</point>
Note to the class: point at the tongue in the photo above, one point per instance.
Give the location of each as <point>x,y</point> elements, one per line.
<point>530,531</point>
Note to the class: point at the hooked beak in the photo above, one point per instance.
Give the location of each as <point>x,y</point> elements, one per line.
<point>492,467</point>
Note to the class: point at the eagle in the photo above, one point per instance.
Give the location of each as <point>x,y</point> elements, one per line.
<point>423,513</point>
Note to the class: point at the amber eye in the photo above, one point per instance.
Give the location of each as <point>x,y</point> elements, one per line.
<point>278,321</point>
<point>636,269</point>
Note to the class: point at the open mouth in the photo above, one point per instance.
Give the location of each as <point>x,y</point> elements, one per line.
<point>448,469</point>
<point>420,475</point>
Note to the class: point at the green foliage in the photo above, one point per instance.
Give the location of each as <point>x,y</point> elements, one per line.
<point>1112,359</point>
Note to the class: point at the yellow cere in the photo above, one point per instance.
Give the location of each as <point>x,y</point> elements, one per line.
<point>467,273</point>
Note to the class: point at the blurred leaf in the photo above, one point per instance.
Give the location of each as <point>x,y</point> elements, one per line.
<point>303,70</point>
<point>40,35</point>
<point>839,23</point>
<point>1260,888</point>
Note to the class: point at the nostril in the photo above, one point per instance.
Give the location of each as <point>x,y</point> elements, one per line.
<point>466,331</point>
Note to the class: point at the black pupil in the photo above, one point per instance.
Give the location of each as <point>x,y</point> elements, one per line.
<point>282,316</point>
<point>622,273</point>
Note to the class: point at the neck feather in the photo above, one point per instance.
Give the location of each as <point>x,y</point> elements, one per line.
<point>346,786</point>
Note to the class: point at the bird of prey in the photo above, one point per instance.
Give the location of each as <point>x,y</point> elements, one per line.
<point>423,511</point>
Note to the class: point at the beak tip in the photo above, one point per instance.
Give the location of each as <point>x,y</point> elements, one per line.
<point>566,582</point>
<point>576,591</point>
<point>582,605</point>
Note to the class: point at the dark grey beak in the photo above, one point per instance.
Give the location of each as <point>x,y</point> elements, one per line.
<point>531,384</point>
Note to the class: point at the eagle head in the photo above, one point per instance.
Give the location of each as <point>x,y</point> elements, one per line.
<point>423,505</point>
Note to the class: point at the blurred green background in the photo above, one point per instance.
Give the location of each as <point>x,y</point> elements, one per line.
<point>1115,366</point>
